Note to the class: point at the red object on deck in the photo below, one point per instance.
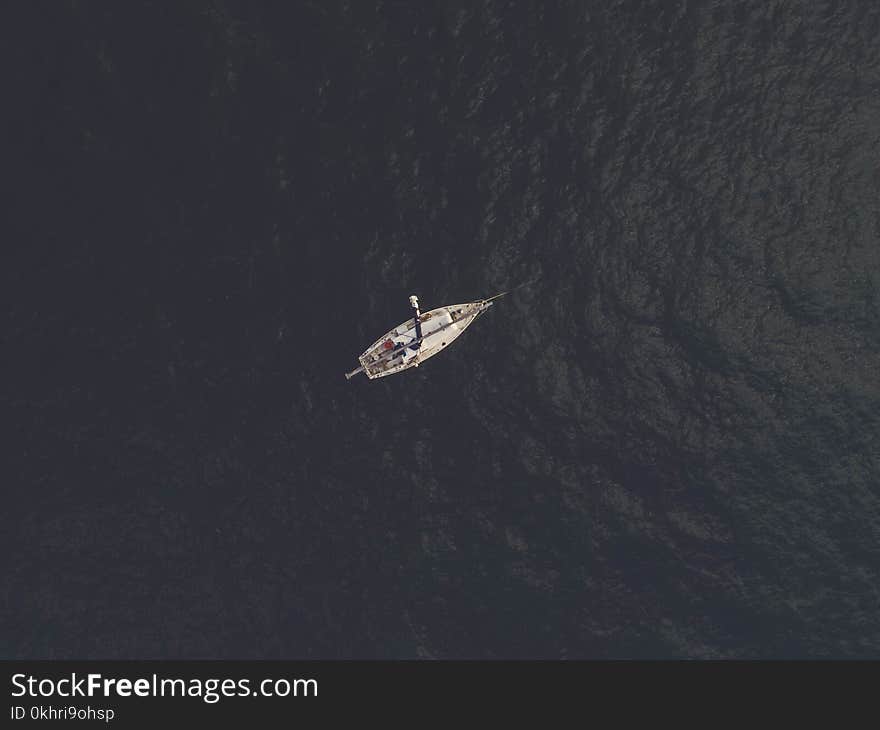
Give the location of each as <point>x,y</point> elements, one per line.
<point>388,344</point>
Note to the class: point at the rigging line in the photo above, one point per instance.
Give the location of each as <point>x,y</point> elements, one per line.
<point>519,286</point>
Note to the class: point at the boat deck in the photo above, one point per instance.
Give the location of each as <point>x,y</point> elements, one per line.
<point>400,349</point>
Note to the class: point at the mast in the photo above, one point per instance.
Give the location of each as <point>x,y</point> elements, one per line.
<point>414,301</point>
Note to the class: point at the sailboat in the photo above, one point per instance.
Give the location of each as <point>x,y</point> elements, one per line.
<point>418,338</point>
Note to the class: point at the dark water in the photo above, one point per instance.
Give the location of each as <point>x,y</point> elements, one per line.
<point>667,447</point>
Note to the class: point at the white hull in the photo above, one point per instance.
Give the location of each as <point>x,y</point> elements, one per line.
<point>399,349</point>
